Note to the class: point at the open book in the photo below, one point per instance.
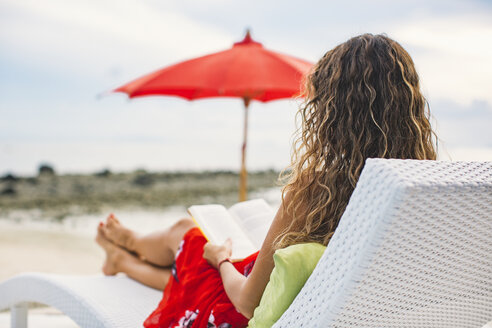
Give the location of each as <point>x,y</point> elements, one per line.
<point>246,223</point>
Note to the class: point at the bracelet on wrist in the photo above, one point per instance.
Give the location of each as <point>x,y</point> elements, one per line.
<point>228,259</point>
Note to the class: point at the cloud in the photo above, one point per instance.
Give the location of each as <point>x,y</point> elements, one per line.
<point>90,37</point>
<point>463,126</point>
<point>452,54</point>
<point>467,154</point>
<point>450,110</point>
<point>110,42</point>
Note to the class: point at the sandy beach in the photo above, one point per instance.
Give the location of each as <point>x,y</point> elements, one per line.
<point>23,250</point>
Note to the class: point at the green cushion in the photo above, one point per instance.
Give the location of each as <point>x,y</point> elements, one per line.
<point>293,266</point>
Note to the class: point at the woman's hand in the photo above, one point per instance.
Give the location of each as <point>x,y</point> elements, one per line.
<point>216,253</point>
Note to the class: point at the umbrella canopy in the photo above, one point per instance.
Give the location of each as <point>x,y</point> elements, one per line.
<point>247,71</point>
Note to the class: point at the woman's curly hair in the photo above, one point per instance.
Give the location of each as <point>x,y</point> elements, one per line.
<point>363,100</point>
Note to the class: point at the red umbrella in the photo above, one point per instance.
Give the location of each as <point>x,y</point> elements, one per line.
<point>247,71</point>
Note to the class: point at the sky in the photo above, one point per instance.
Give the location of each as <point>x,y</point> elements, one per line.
<point>59,59</point>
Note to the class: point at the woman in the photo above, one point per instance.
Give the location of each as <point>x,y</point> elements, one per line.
<point>363,100</point>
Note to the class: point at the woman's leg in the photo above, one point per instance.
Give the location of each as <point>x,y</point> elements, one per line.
<point>119,260</point>
<point>158,248</point>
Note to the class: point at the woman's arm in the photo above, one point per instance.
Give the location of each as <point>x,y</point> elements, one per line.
<point>245,293</point>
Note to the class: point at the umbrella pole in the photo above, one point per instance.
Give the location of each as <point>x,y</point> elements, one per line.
<point>243,175</point>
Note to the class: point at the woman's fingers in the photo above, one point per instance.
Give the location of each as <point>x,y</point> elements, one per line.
<point>215,253</point>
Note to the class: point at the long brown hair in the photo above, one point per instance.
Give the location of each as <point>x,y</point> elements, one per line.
<point>363,100</point>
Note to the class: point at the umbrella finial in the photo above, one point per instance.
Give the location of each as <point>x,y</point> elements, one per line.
<point>248,40</point>
<point>247,37</point>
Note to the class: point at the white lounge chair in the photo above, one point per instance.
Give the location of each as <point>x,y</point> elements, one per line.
<point>413,249</point>
<point>91,301</point>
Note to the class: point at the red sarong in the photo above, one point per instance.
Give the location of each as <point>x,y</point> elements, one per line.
<point>194,295</point>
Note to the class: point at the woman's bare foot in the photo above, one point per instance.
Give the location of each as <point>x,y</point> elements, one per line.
<point>114,254</point>
<point>118,234</point>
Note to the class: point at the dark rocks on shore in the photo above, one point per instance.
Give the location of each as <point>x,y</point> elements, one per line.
<point>9,178</point>
<point>46,170</point>
<point>103,174</point>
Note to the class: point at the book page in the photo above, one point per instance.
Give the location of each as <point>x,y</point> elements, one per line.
<point>217,225</point>
<point>255,217</point>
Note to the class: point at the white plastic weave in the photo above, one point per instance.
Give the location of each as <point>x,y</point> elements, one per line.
<point>90,301</point>
<point>413,249</point>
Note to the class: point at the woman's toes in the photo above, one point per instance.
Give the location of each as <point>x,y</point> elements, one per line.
<point>114,218</point>
<point>113,225</point>
<point>100,236</point>
<point>119,235</point>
